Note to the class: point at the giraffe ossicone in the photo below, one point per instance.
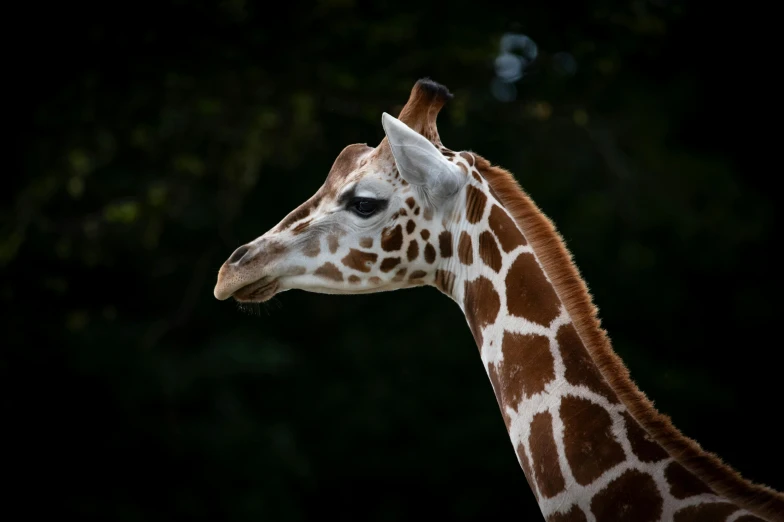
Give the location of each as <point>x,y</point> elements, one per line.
<point>411,212</point>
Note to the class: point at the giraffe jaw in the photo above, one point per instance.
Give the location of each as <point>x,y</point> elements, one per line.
<point>257,292</point>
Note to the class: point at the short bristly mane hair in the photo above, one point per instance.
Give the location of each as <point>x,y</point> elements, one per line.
<point>557,261</point>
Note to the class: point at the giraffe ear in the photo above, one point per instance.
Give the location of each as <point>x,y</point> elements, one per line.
<point>419,161</point>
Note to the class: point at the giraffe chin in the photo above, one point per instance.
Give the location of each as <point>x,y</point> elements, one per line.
<point>258,292</point>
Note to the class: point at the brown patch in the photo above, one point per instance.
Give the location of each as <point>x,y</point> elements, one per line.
<point>329,271</point>
<point>359,260</point>
<point>417,274</point>
<point>448,153</point>
<point>410,202</point>
<point>465,251</point>
<point>401,212</point>
<point>528,294</point>
<point>476,176</point>
<point>399,275</point>
<point>526,468</point>
<point>312,247</point>
<point>353,279</point>
<point>581,370</point>
<point>427,213</point>
<point>445,281</point>
<point>632,497</point>
<point>708,512</point>
<point>589,444</point>
<point>573,515</point>
<point>463,168</point>
<point>425,234</point>
<point>392,240</point>
<point>389,263</point>
<point>544,455</point>
<point>366,242</point>
<point>416,211</point>
<point>301,212</point>
<point>410,226</point>
<point>375,280</point>
<point>445,243</point>
<point>430,253</point>
<point>297,270</point>
<point>475,204</point>
<point>505,230</point>
<point>332,243</point>
<point>488,251</point>
<point>642,445</point>
<point>413,250</point>
<point>683,484</point>
<point>481,305</point>
<point>346,162</point>
<point>468,157</point>
<point>557,261</point>
<point>528,365</point>
<point>300,228</point>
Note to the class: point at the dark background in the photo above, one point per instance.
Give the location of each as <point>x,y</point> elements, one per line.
<point>155,137</point>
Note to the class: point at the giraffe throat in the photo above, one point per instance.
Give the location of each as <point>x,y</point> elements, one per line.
<point>580,448</point>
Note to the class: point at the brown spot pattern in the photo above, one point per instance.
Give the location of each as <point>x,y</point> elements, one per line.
<point>297,214</point>
<point>709,512</point>
<point>445,281</point>
<point>297,270</point>
<point>683,483</point>
<point>481,305</point>
<point>300,228</point>
<point>413,250</point>
<point>505,229</point>
<point>366,242</point>
<point>332,243</point>
<point>475,204</point>
<point>589,444</point>
<point>528,293</point>
<point>312,248</point>
<point>417,274</point>
<point>353,279</point>
<point>399,275</point>
<point>389,263</point>
<point>425,234</point>
<point>416,211</point>
<point>573,515</point>
<point>488,251</point>
<point>465,250</point>
<point>375,280</point>
<point>526,468</point>
<point>430,253</point>
<point>445,243</point>
<point>580,367</point>
<point>410,202</point>
<point>476,176</point>
<point>329,271</point>
<point>392,240</point>
<point>428,213</point>
<point>545,455</point>
<point>359,260</point>
<point>632,497</point>
<point>410,226</point>
<point>468,157</point>
<point>643,446</point>
<point>528,365</point>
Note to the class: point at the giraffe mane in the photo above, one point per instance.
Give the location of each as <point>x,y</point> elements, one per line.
<point>559,266</point>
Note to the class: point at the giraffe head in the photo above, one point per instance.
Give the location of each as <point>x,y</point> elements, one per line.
<point>381,220</point>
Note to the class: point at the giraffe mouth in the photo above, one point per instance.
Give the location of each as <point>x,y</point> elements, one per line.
<point>262,290</point>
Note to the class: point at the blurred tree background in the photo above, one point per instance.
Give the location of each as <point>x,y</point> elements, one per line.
<point>156,137</point>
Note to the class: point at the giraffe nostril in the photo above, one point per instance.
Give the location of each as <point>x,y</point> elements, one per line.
<point>239,254</point>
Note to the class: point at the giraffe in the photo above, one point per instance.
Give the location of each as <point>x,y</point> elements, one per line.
<point>412,212</point>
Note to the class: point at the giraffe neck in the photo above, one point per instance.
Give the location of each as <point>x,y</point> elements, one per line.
<point>584,455</point>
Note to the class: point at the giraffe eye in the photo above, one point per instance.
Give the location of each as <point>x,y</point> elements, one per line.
<point>364,207</point>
